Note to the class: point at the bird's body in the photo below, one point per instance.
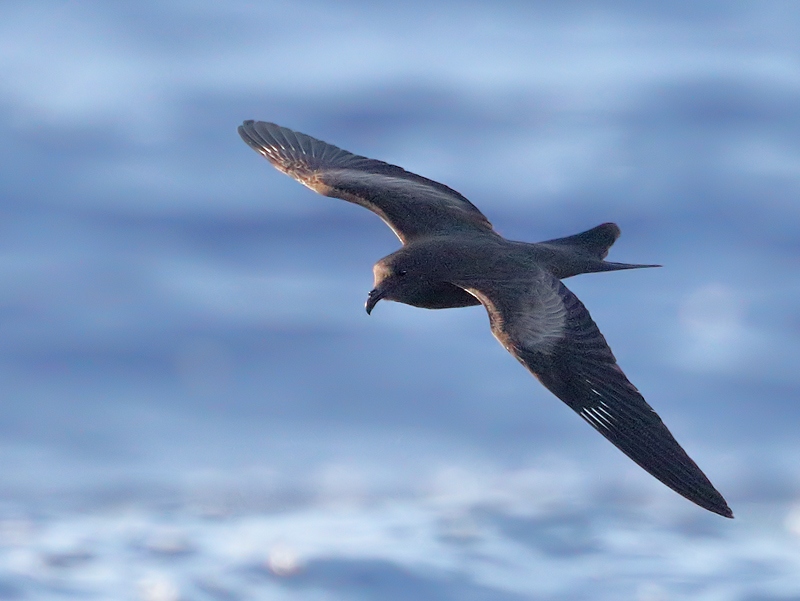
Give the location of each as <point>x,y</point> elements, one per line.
<point>452,257</point>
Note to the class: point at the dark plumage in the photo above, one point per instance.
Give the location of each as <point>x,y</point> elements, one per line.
<point>451,257</point>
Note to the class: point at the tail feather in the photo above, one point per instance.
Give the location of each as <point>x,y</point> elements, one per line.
<point>609,266</point>
<point>585,252</point>
<point>595,241</point>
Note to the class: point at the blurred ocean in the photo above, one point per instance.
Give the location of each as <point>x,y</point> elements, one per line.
<point>195,405</point>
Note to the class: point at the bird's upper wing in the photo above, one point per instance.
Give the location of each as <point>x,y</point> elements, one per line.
<point>546,327</point>
<point>413,206</point>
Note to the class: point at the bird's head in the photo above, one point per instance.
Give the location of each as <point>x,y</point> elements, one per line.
<point>401,277</point>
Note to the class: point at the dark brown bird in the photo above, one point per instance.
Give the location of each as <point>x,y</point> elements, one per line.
<point>451,257</point>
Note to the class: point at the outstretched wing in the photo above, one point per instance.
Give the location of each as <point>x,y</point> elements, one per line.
<point>413,206</point>
<point>551,333</point>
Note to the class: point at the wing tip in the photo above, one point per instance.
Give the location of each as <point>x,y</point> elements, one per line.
<point>262,132</point>
<point>281,146</point>
<point>717,505</point>
<point>248,132</point>
<point>697,488</point>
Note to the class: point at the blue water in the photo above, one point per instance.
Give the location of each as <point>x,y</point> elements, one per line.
<point>195,404</point>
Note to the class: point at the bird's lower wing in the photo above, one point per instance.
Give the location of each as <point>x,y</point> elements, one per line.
<point>547,328</point>
<point>412,205</point>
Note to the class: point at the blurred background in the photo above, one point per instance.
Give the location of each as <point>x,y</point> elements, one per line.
<point>195,404</point>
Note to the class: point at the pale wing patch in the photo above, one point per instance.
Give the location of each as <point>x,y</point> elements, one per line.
<point>539,323</point>
<point>310,180</point>
<point>299,171</point>
<point>531,317</point>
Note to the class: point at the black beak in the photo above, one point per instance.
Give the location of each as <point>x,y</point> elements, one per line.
<point>372,300</point>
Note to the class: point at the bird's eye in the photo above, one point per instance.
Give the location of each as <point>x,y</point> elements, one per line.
<point>401,272</point>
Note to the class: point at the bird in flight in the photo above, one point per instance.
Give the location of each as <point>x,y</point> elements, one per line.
<point>452,257</point>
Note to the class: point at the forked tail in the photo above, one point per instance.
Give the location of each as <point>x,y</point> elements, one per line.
<point>584,252</point>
